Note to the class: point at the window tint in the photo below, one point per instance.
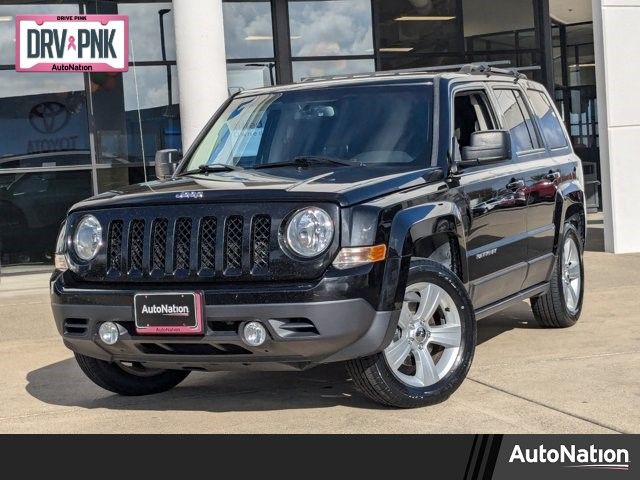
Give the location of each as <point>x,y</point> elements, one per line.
<point>517,120</point>
<point>549,121</point>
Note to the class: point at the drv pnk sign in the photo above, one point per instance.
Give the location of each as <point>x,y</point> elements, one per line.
<point>72,43</point>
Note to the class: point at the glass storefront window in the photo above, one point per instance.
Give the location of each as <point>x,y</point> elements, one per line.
<point>148,23</point>
<point>330,28</point>
<point>43,120</point>
<point>8,24</point>
<point>32,206</point>
<point>252,75</point>
<point>248,30</point>
<point>319,68</point>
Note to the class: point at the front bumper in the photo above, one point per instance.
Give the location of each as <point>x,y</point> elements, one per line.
<point>302,333</point>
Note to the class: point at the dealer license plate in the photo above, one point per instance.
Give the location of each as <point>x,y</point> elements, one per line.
<point>168,313</point>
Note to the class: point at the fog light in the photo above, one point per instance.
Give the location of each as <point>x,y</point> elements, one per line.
<point>254,334</point>
<point>109,333</point>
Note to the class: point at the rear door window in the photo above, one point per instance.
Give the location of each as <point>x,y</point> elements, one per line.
<point>517,119</point>
<point>550,124</point>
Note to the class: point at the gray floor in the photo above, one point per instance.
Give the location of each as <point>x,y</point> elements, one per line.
<point>524,379</point>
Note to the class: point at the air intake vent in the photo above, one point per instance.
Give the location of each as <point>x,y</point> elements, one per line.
<point>260,237</point>
<point>233,245</point>
<point>208,236</point>
<point>115,246</point>
<point>182,245</point>
<point>136,245</point>
<point>75,326</point>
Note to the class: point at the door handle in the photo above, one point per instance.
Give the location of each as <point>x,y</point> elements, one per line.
<point>515,185</point>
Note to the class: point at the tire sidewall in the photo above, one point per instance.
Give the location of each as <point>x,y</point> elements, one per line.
<point>431,272</point>
<point>570,232</point>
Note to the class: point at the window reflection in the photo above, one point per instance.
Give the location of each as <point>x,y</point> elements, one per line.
<point>32,206</point>
<point>146,22</point>
<point>248,31</point>
<point>329,28</point>
<point>43,120</point>
<point>319,68</point>
<point>250,75</point>
<point>8,24</point>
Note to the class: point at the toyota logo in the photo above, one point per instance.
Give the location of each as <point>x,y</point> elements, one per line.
<point>49,117</point>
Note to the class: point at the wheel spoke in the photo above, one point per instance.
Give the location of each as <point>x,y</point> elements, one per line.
<point>426,371</point>
<point>429,300</point>
<point>398,352</point>
<point>574,270</point>
<point>573,295</point>
<point>446,335</point>
<point>405,317</point>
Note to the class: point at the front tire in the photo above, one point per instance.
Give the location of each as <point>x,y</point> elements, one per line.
<point>561,306</point>
<point>129,380</point>
<point>433,347</point>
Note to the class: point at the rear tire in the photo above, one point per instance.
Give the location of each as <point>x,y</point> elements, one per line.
<point>129,381</point>
<point>433,347</point>
<point>561,306</point>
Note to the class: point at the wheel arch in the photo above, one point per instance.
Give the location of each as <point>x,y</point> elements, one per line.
<point>570,204</point>
<point>420,231</point>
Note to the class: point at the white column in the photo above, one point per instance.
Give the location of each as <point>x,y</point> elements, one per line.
<point>616,40</point>
<point>202,68</point>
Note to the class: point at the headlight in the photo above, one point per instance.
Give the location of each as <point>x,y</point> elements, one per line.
<point>309,232</point>
<point>88,237</point>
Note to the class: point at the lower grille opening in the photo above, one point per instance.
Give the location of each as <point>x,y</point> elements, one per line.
<point>191,349</point>
<point>294,327</point>
<point>223,327</point>
<point>75,326</point>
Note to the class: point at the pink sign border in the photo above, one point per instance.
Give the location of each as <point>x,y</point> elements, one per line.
<point>97,67</point>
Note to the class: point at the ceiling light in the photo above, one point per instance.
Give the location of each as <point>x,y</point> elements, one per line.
<point>396,49</point>
<point>408,18</point>
<point>6,18</point>
<point>582,65</point>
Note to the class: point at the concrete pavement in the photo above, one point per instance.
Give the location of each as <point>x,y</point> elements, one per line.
<point>524,379</point>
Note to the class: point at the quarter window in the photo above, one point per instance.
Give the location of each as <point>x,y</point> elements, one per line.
<point>549,121</point>
<point>517,120</point>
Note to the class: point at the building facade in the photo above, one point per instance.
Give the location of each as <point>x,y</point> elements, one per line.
<point>69,135</point>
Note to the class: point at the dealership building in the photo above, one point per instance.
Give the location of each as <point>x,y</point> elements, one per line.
<point>68,135</point>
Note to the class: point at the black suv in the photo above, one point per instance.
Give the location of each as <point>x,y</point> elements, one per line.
<point>369,219</point>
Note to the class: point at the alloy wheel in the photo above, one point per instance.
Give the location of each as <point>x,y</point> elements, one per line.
<point>428,338</point>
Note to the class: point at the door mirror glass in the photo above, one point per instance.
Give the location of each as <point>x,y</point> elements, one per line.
<point>488,146</point>
<point>166,163</point>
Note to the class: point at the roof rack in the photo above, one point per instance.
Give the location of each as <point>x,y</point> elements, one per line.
<point>405,71</point>
<point>478,68</point>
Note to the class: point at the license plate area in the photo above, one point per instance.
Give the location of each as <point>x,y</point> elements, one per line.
<point>177,313</point>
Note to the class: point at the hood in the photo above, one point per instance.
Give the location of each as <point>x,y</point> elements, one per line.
<point>344,185</point>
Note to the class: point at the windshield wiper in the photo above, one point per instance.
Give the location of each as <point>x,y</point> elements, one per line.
<point>308,160</point>
<point>206,169</point>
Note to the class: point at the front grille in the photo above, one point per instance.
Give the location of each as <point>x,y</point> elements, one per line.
<point>182,244</point>
<point>159,245</point>
<point>136,245</point>
<point>199,247</point>
<point>115,246</point>
<point>233,245</point>
<point>260,238</point>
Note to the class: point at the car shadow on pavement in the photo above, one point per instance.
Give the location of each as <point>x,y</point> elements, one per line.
<point>63,383</point>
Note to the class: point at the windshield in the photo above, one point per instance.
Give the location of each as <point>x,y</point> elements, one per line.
<point>384,125</point>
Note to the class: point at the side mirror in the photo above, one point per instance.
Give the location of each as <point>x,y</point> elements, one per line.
<point>166,163</point>
<point>487,147</point>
